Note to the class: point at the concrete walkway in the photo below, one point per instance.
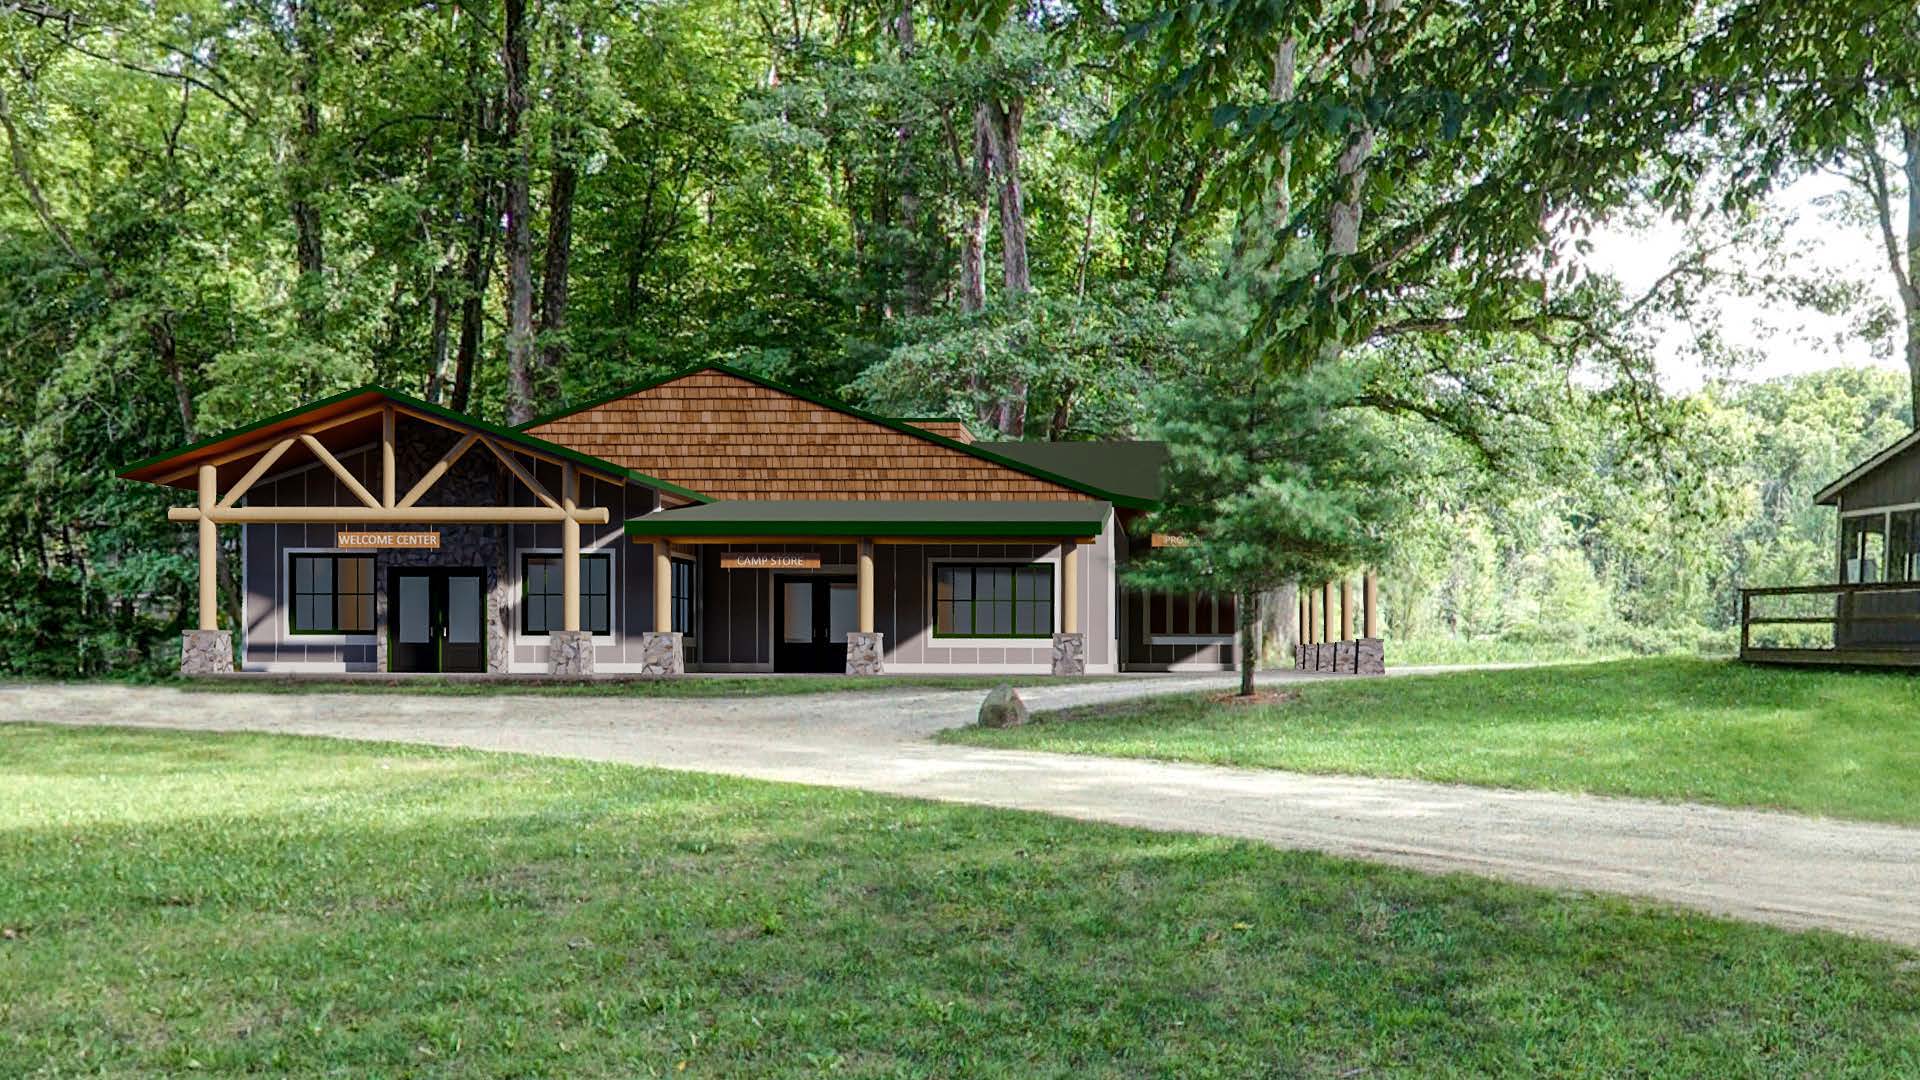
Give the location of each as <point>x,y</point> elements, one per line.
<point>1775,868</point>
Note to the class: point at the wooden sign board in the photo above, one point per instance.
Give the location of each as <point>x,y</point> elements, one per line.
<point>429,541</point>
<point>769,560</point>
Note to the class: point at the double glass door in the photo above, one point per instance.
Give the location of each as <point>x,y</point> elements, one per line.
<point>811,618</point>
<point>437,620</point>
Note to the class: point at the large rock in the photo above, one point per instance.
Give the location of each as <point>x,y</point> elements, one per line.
<point>660,654</point>
<point>1070,654</point>
<point>206,652</point>
<point>570,652</point>
<point>1003,708</point>
<point>866,653</point>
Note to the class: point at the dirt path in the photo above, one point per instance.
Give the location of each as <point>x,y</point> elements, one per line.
<point>1775,868</point>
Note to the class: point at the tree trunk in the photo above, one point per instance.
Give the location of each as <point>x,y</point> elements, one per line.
<point>1003,133</point>
<point>554,268</point>
<point>1910,296</point>
<point>519,341</point>
<point>1279,623</point>
<point>1189,197</point>
<point>916,285</point>
<point>309,245</point>
<point>437,344</point>
<point>1343,224</point>
<point>1244,608</point>
<point>474,273</point>
<point>973,252</point>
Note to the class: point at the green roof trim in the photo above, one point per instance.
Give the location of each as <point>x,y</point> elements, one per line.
<point>1132,502</point>
<point>918,517</point>
<point>513,435</point>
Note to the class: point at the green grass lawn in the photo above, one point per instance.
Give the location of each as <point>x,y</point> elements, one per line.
<point>692,686</point>
<point>1839,743</point>
<point>174,903</point>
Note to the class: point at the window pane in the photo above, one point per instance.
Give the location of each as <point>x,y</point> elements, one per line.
<point>302,573</point>
<point>303,612</point>
<point>962,583</point>
<point>597,614</point>
<point>797,627</point>
<point>1023,618</point>
<point>1002,613</point>
<point>363,615</point>
<point>943,617</point>
<point>597,574</point>
<point>556,612</point>
<point>1043,617</point>
<point>413,610</point>
<point>535,612</point>
<point>999,583</point>
<point>962,618</point>
<point>323,575</point>
<point>463,610</point>
<point>1028,583</point>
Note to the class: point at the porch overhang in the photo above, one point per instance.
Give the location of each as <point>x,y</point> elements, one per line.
<point>903,521</point>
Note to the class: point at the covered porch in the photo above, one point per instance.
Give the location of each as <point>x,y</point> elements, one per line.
<point>865,587</point>
<point>389,518</point>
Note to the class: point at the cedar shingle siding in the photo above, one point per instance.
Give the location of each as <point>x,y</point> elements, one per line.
<point>730,438</point>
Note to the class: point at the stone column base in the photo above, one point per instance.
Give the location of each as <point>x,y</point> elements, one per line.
<point>206,652</point>
<point>1070,654</point>
<point>660,654</point>
<point>1323,657</point>
<point>866,653</point>
<point>1343,657</point>
<point>1370,656</point>
<point>570,652</point>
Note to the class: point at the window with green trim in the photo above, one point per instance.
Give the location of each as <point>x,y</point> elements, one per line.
<point>330,594</point>
<point>996,601</point>
<point>543,594</point>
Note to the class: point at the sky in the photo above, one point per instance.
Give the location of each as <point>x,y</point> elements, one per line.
<point>1786,338</point>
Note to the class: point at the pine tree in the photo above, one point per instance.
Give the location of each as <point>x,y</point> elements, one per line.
<point>1274,478</point>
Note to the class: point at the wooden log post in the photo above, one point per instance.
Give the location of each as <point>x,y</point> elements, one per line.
<point>662,588</point>
<point>1329,624</point>
<point>569,549</point>
<point>209,551</point>
<point>1070,588</point>
<point>1346,609</point>
<point>387,456</point>
<point>866,586</point>
<point>1370,602</point>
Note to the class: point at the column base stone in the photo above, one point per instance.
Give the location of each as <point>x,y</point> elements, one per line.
<point>206,652</point>
<point>866,653</point>
<point>661,654</point>
<point>570,653</point>
<point>1343,657</point>
<point>1070,654</point>
<point>1370,656</point>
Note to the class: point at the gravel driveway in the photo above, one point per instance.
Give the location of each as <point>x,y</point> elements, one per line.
<point>1769,867</point>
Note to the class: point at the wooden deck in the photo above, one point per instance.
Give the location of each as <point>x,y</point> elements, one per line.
<point>1863,625</point>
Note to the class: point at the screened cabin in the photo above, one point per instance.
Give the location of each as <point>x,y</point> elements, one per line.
<point>1870,614</point>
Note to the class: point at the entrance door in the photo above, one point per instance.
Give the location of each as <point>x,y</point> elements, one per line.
<point>436,619</point>
<point>811,619</point>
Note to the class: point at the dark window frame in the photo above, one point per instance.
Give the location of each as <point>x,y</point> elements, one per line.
<point>333,593</point>
<point>586,591</point>
<point>974,602</point>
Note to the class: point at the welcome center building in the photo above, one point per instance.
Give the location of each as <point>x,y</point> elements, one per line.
<point>711,521</point>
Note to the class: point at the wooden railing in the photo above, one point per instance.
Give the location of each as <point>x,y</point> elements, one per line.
<point>1875,623</point>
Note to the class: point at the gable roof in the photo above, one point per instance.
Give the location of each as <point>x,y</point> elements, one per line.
<point>1129,466</point>
<point>1831,493</point>
<point>163,468</point>
<point>735,434</point>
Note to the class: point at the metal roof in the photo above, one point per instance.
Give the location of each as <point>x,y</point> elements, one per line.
<point>1125,467</point>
